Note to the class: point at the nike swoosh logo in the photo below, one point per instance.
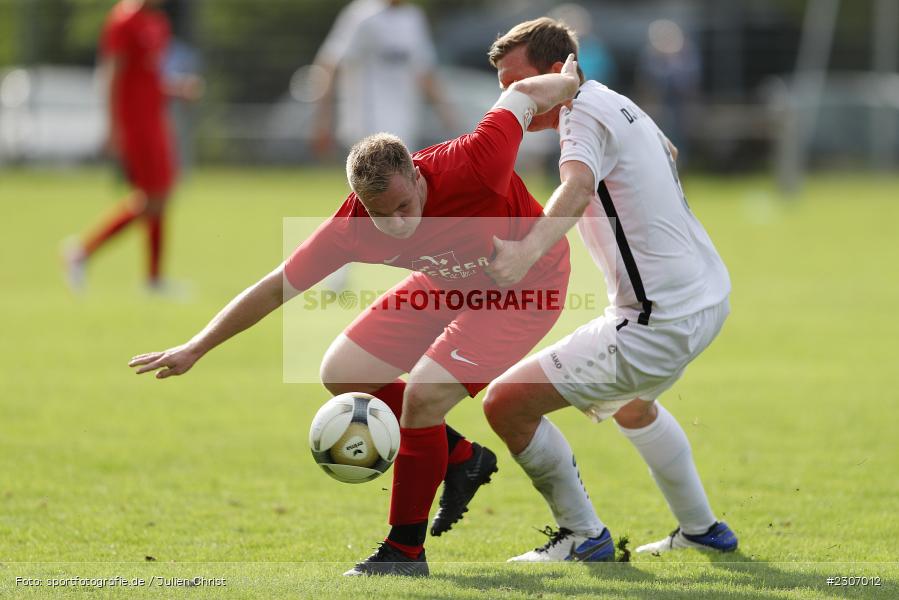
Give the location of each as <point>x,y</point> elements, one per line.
<point>390,261</point>
<point>455,356</point>
<point>585,554</point>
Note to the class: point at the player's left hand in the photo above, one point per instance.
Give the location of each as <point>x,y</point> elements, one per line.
<point>511,262</point>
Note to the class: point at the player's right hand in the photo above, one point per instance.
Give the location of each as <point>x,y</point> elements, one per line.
<point>510,263</point>
<point>192,88</point>
<point>174,361</point>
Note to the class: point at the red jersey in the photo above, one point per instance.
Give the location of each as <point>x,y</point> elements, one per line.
<point>473,195</point>
<point>138,40</point>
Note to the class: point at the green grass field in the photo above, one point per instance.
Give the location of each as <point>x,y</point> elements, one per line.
<point>791,413</point>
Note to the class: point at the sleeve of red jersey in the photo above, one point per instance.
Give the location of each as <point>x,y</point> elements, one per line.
<point>493,147</point>
<point>330,247</point>
<point>112,40</point>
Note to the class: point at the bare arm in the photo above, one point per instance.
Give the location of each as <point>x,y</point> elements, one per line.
<point>245,310</point>
<point>434,92</point>
<point>323,128</point>
<point>110,70</point>
<point>564,208</point>
<point>566,205</point>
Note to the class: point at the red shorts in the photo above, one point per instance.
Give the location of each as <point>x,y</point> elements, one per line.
<point>148,159</point>
<point>474,345</point>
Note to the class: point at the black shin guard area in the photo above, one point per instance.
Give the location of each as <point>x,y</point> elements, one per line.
<point>452,438</point>
<point>409,535</point>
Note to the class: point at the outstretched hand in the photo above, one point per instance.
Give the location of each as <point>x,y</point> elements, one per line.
<point>174,361</point>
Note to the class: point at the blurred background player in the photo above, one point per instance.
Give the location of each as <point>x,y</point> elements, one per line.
<point>379,59</point>
<point>133,48</point>
<point>668,298</point>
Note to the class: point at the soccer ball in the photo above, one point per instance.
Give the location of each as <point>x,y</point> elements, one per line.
<point>354,437</point>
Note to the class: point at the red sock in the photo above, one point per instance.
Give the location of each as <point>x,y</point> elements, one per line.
<point>461,452</point>
<point>117,222</point>
<point>420,467</point>
<point>392,395</point>
<point>412,552</point>
<point>154,245</point>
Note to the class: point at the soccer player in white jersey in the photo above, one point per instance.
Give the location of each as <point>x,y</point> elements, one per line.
<point>668,292</point>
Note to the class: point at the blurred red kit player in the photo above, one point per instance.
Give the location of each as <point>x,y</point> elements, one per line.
<point>133,47</point>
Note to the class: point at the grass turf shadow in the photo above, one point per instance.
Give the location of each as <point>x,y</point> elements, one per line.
<point>733,576</point>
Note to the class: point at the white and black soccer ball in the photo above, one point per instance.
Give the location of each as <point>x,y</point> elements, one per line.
<point>354,437</point>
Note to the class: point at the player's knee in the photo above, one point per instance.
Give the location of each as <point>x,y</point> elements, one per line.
<point>636,414</point>
<point>416,399</point>
<point>498,405</point>
<point>424,403</point>
<point>493,404</point>
<point>334,376</point>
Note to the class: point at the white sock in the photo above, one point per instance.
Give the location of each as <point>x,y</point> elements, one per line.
<point>549,462</point>
<point>665,448</point>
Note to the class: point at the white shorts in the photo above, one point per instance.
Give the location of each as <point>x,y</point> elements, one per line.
<point>608,362</point>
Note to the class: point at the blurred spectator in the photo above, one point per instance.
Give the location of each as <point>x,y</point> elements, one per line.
<point>668,78</point>
<point>593,57</point>
<point>133,46</point>
<point>182,62</point>
<point>383,58</point>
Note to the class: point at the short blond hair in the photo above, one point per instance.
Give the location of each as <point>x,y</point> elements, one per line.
<point>546,40</point>
<point>374,160</point>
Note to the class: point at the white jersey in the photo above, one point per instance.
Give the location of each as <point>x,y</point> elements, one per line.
<point>381,52</point>
<point>658,261</point>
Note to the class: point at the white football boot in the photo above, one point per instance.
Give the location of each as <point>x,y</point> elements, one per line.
<point>565,545</point>
<point>719,537</point>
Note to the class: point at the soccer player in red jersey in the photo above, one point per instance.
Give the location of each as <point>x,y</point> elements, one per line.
<point>439,213</point>
<point>133,45</point>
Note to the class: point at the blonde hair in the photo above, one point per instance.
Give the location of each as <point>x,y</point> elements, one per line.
<point>547,42</point>
<point>374,160</point>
